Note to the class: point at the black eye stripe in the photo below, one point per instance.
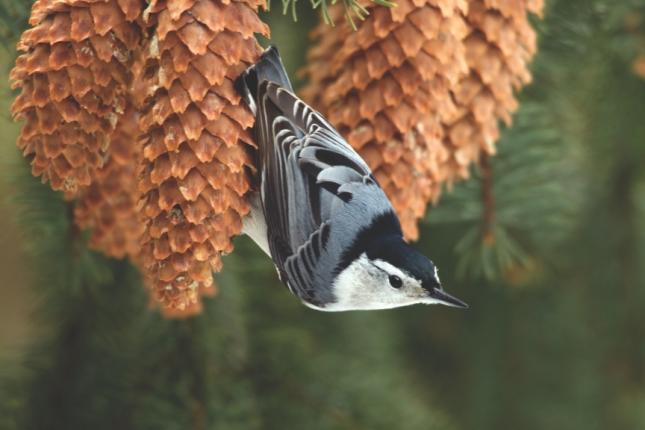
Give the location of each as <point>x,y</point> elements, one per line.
<point>395,281</point>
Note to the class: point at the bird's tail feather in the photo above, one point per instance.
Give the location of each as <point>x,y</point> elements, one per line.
<point>268,68</point>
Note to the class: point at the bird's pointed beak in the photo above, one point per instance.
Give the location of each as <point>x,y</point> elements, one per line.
<point>447,299</point>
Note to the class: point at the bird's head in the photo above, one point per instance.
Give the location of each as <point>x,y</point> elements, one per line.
<point>390,274</point>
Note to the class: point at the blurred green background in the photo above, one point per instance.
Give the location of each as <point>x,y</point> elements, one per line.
<point>554,337</point>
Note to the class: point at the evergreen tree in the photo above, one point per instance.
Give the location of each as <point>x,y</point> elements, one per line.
<point>544,241</point>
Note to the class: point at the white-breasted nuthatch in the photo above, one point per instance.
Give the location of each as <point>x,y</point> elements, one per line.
<point>320,214</point>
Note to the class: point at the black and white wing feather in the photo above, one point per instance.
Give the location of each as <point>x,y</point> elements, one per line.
<point>308,170</point>
<point>308,173</point>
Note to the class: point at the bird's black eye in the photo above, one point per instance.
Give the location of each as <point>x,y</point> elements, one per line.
<point>395,281</point>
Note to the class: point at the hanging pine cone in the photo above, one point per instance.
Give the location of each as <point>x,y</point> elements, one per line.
<point>108,207</point>
<point>191,309</point>
<point>74,76</point>
<point>386,87</point>
<point>500,44</point>
<point>193,178</point>
<point>419,89</point>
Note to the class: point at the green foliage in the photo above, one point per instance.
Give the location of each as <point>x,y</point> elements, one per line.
<point>353,9</point>
<point>564,351</point>
<point>325,370</point>
<point>13,19</point>
<point>530,207</point>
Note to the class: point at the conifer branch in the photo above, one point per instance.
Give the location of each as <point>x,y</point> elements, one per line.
<point>353,9</point>
<point>13,19</point>
<point>488,200</point>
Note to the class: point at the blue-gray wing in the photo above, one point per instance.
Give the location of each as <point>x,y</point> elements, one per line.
<point>308,171</point>
<point>301,268</point>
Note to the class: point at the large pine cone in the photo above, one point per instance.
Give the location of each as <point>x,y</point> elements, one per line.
<point>74,76</point>
<point>194,176</point>
<point>499,46</point>
<point>387,88</point>
<point>419,89</point>
<point>108,207</point>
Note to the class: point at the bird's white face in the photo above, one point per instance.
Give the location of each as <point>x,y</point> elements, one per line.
<point>376,284</point>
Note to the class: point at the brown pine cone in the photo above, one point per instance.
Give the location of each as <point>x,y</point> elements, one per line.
<point>189,310</point>
<point>386,87</point>
<point>500,44</point>
<point>108,207</point>
<point>194,174</point>
<point>74,76</point>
